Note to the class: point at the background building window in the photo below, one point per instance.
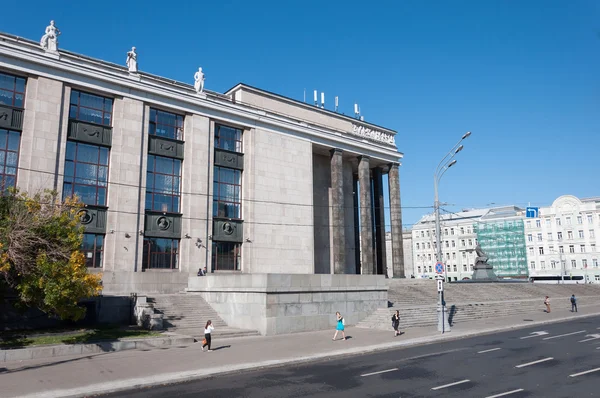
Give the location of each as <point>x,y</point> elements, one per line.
<point>90,108</point>
<point>558,221</point>
<point>542,264</point>
<point>579,220</point>
<point>226,256</point>
<point>571,248</point>
<point>573,263</point>
<point>228,138</point>
<point>163,180</point>
<point>590,218</point>
<point>532,264</point>
<point>538,223</point>
<point>160,253</point>
<point>227,187</point>
<point>12,90</point>
<point>9,158</point>
<point>166,124</point>
<point>584,263</point>
<point>559,235</point>
<point>92,247</point>
<point>541,250</point>
<point>86,173</point>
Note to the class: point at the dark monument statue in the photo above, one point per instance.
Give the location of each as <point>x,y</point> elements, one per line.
<point>482,270</point>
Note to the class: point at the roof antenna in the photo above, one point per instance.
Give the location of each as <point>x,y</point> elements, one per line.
<point>337,103</point>
<point>316,98</point>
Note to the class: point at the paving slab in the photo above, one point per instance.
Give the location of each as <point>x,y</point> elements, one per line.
<point>84,375</point>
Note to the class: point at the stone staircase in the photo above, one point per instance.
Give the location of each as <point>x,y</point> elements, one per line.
<point>417,301</point>
<point>187,313</point>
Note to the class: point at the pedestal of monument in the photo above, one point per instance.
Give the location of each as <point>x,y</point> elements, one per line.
<point>483,271</point>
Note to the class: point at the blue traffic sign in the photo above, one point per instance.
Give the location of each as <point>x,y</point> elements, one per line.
<point>532,212</point>
<point>439,268</point>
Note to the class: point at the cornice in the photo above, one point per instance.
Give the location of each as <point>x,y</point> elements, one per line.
<point>27,57</point>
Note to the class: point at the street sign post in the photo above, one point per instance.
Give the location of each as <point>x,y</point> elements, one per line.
<point>439,268</point>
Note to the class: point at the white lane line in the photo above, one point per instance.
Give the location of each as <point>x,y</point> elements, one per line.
<point>450,385</point>
<point>534,362</point>
<point>563,335</point>
<point>505,393</point>
<point>593,337</point>
<point>376,373</point>
<point>584,373</point>
<point>493,349</point>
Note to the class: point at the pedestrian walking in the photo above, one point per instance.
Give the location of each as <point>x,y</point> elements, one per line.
<point>340,326</point>
<point>208,329</point>
<point>573,303</point>
<point>396,323</point>
<point>547,304</point>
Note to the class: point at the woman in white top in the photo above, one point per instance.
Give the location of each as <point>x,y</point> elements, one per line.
<point>207,331</point>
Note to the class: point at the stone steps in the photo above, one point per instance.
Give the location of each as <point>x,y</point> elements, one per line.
<point>187,314</point>
<point>418,316</point>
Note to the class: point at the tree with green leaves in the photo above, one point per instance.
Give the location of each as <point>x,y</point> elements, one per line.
<point>40,253</point>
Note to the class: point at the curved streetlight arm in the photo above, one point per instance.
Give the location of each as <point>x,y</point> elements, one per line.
<point>451,154</point>
<point>455,149</point>
<point>444,170</point>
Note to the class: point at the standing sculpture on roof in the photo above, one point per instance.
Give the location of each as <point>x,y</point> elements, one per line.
<point>132,60</point>
<point>199,81</point>
<point>49,41</point>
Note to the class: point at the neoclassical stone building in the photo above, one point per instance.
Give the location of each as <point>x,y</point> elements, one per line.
<point>176,178</point>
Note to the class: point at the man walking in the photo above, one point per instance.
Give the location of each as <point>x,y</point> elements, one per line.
<point>573,303</point>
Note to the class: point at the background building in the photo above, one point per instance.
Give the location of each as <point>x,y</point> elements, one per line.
<point>497,230</point>
<point>563,240</point>
<point>408,253</point>
<point>500,233</point>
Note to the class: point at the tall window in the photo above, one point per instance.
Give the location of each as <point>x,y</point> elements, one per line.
<point>227,187</point>
<point>590,218</point>
<point>163,179</point>
<point>570,234</point>
<point>228,138</point>
<point>226,256</point>
<point>12,93</point>
<point>581,234</point>
<point>558,221</point>
<point>90,108</point>
<point>12,90</point>
<point>538,223</point>
<point>539,237</point>
<point>160,253</point>
<point>571,249</point>
<point>548,222</point>
<point>582,248</point>
<point>541,250</point>
<point>573,263</point>
<point>166,124</point>
<point>559,235</point>
<point>579,220</point>
<point>561,249</point>
<point>584,263</point>
<point>592,234</point>
<point>532,264</point>
<point>86,173</point>
<point>92,248</point>
<point>9,158</point>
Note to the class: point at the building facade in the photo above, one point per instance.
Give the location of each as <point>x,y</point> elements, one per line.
<point>407,252</point>
<point>176,178</point>
<point>563,239</point>
<point>498,230</point>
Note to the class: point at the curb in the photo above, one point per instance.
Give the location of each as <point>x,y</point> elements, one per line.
<point>20,354</point>
<point>172,378</point>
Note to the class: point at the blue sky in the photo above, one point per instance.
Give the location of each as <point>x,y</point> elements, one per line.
<point>523,76</point>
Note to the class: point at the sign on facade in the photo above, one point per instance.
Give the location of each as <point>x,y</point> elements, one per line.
<point>532,212</point>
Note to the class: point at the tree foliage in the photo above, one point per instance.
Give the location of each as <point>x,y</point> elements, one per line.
<point>40,253</point>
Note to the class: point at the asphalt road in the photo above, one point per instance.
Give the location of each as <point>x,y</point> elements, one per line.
<point>548,361</point>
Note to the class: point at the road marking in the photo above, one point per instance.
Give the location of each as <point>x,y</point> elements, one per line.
<point>450,385</point>
<point>593,337</point>
<point>534,334</point>
<point>584,373</point>
<point>534,362</point>
<point>376,373</point>
<point>493,349</point>
<point>563,335</point>
<point>505,393</point>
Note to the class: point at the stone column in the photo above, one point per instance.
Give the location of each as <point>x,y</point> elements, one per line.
<point>396,220</point>
<point>381,268</point>
<point>337,212</point>
<point>356,223</point>
<point>366,221</point>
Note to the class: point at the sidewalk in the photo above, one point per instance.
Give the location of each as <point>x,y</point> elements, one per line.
<point>75,376</point>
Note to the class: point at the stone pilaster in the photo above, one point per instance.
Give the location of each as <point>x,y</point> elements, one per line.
<point>381,268</point>
<point>396,221</point>
<point>337,212</point>
<point>356,223</point>
<point>366,220</point>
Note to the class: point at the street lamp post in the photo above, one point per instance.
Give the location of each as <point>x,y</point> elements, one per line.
<point>446,162</point>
